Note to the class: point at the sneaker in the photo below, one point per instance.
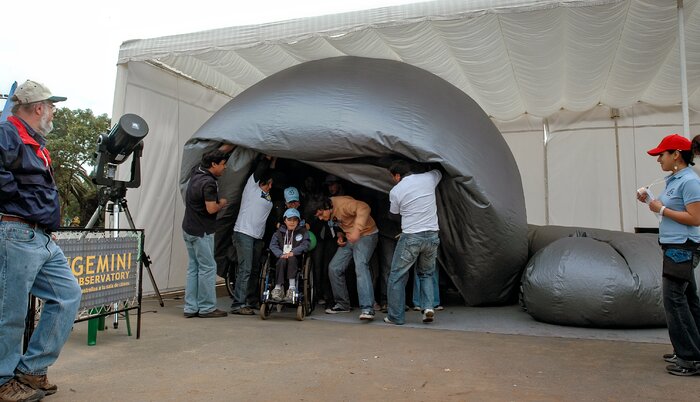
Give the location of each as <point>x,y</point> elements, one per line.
<point>14,390</point>
<point>439,308</point>
<point>38,382</point>
<point>216,313</point>
<point>416,308</point>
<point>367,315</point>
<point>321,302</point>
<point>388,321</point>
<point>242,311</point>
<point>376,306</point>
<point>384,308</point>
<point>428,315</point>
<point>675,369</point>
<point>277,294</point>
<point>289,297</point>
<point>191,315</point>
<point>337,309</point>
<point>670,358</point>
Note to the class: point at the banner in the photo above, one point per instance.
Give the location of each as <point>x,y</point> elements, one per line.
<point>106,268</point>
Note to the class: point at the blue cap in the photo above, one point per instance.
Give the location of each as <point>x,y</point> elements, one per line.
<point>292,213</point>
<point>291,194</point>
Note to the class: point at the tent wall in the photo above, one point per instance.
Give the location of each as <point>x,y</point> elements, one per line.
<point>588,170</point>
<point>570,181</point>
<point>174,108</point>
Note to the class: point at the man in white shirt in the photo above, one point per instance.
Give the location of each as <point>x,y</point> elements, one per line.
<point>248,232</point>
<point>413,197</point>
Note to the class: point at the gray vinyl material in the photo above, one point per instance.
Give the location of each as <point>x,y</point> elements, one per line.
<point>342,115</point>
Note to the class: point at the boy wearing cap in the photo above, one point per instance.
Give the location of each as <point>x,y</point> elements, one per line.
<point>288,243</point>
<point>31,260</point>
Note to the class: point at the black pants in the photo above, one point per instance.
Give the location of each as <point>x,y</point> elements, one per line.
<point>290,266</point>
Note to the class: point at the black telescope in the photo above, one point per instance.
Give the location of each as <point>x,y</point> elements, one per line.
<point>124,137</point>
<point>113,148</point>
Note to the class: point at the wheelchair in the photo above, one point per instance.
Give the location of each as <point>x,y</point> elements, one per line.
<point>303,298</point>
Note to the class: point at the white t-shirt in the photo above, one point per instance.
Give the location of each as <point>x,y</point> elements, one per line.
<point>414,198</point>
<point>255,208</point>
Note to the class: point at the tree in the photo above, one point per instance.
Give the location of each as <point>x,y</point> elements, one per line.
<point>72,144</point>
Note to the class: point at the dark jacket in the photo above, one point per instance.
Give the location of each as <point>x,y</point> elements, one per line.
<point>300,241</point>
<point>27,188</point>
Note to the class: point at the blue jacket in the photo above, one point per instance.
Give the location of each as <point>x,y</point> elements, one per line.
<point>27,187</point>
<point>300,241</point>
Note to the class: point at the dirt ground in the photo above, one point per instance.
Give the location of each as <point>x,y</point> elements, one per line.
<point>243,358</point>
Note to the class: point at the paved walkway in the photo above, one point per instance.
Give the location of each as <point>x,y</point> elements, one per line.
<point>468,354</point>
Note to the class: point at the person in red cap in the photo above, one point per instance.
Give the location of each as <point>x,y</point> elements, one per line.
<point>30,260</point>
<point>679,235</point>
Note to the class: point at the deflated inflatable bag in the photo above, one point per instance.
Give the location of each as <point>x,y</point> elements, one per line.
<point>583,281</point>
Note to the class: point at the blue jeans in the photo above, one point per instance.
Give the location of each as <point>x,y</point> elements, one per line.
<point>200,288</point>
<point>682,308</point>
<point>248,251</point>
<point>361,252</point>
<point>420,248</point>
<point>436,289</point>
<point>31,262</point>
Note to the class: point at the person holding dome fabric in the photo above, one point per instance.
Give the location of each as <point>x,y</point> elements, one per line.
<point>678,208</point>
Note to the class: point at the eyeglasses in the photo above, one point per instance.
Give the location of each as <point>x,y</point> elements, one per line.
<point>51,105</point>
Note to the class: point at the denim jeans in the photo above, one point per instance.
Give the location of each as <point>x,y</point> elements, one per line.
<point>248,251</point>
<point>200,288</point>
<point>436,289</point>
<point>682,308</point>
<point>361,251</point>
<point>30,261</point>
<point>420,248</point>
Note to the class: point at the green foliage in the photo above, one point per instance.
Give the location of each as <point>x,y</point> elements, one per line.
<point>72,145</point>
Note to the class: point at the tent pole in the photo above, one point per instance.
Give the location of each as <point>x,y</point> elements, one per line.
<point>545,130</point>
<point>684,78</point>
<point>614,115</point>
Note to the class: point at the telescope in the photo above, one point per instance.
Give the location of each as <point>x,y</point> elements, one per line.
<point>115,147</point>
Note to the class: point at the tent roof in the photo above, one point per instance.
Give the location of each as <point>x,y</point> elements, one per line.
<point>511,56</point>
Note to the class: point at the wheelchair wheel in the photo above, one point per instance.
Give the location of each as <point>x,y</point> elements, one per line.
<point>265,282</point>
<point>230,277</point>
<point>309,300</point>
<point>265,311</point>
<point>301,312</point>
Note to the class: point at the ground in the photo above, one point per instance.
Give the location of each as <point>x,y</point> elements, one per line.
<point>329,358</point>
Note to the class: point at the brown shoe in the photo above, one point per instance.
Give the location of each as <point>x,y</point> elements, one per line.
<point>39,382</point>
<point>14,390</point>
<point>214,314</point>
<point>243,311</point>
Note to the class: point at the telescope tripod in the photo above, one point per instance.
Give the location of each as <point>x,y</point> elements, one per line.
<point>116,194</point>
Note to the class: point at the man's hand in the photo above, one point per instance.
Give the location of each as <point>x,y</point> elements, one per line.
<point>223,202</point>
<point>341,240</point>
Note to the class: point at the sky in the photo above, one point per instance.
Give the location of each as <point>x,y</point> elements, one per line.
<point>72,46</point>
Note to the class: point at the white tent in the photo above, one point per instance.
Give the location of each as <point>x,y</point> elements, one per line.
<point>579,89</point>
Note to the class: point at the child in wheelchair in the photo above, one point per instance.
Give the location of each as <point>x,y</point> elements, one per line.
<point>288,244</point>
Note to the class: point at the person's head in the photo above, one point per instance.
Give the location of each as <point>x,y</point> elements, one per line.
<point>322,208</point>
<point>291,218</point>
<point>34,103</point>
<point>673,153</point>
<point>399,169</point>
<point>215,162</point>
<point>291,197</point>
<point>265,182</point>
<point>332,182</point>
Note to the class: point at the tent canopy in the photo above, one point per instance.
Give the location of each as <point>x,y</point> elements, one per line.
<point>511,56</point>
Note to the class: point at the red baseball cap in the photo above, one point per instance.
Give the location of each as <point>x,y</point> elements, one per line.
<point>671,142</point>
